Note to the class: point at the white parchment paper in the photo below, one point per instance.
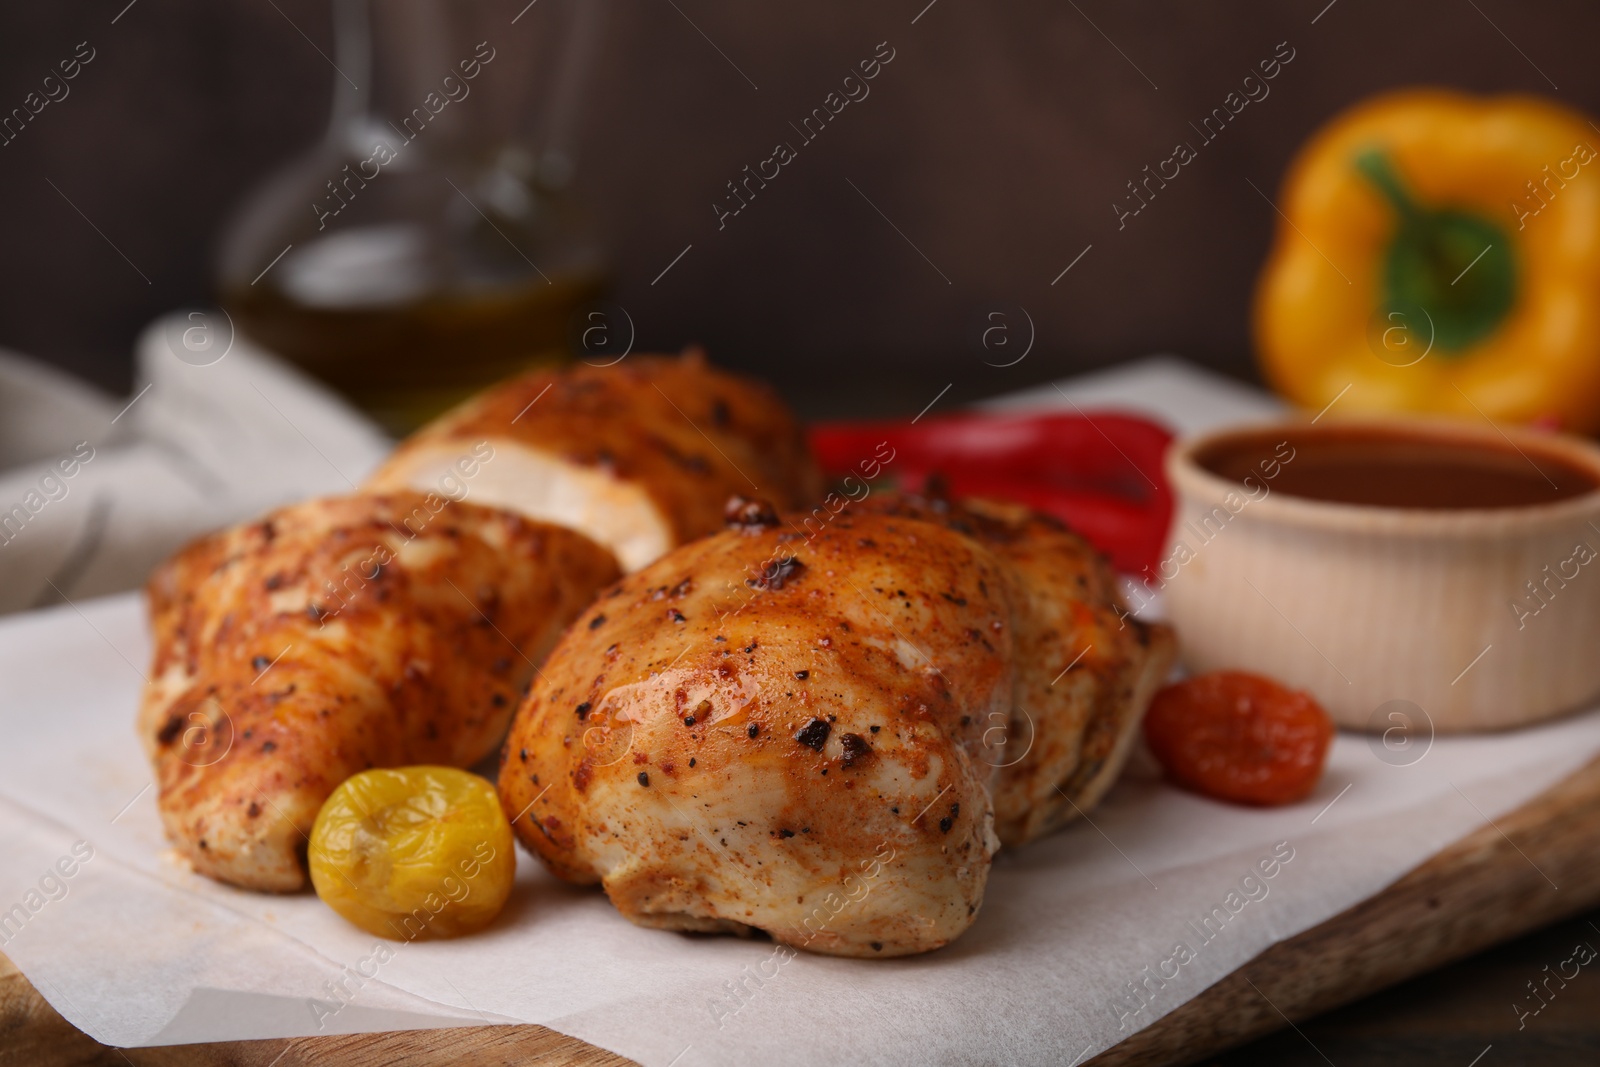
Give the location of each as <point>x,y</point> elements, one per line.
<point>1082,938</point>
<point>135,950</point>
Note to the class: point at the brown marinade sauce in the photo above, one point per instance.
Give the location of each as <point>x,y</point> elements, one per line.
<point>1383,467</point>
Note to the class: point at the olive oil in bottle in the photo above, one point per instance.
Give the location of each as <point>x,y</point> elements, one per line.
<point>431,244</point>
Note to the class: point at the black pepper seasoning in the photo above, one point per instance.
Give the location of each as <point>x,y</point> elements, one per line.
<point>856,749</point>
<point>814,734</point>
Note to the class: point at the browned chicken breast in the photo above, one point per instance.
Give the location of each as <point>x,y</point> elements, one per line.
<point>399,625</point>
<point>640,456</point>
<point>1085,668</point>
<point>815,734</point>
<point>333,636</point>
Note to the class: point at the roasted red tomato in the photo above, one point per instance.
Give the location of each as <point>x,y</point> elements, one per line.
<point>1240,737</point>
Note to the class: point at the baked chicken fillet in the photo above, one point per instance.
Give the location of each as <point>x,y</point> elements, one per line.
<point>641,456</point>
<point>818,734</point>
<point>333,636</point>
<point>1085,669</point>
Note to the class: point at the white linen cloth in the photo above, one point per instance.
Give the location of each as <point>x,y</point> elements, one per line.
<point>1076,946</point>
<point>215,433</point>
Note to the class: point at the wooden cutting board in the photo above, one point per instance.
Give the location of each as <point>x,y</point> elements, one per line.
<point>1539,864</point>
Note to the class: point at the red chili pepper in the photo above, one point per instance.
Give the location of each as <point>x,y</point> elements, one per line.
<point>1099,472</point>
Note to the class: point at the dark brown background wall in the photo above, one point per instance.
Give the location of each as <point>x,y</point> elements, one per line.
<point>997,141</point>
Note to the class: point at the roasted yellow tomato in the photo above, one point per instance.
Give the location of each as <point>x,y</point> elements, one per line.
<point>413,853</point>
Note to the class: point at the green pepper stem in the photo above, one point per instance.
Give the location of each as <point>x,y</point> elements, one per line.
<point>1379,169</point>
<point>1453,264</point>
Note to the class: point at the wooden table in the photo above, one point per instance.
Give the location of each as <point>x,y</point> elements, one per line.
<point>1490,886</point>
<point>1450,1017</point>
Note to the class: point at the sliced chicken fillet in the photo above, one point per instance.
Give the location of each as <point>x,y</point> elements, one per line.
<point>640,456</point>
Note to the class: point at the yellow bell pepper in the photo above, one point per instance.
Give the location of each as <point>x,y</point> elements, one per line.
<point>1439,252</point>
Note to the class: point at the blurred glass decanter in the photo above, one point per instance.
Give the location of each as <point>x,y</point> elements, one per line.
<point>430,244</point>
